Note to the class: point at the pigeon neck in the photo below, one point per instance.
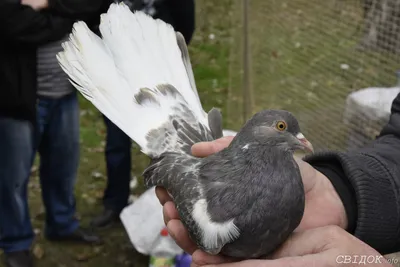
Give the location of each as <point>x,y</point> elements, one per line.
<point>243,143</point>
<point>270,149</point>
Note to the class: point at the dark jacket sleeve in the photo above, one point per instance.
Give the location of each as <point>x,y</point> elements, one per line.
<point>183,14</point>
<point>22,24</point>
<point>368,181</point>
<point>78,9</point>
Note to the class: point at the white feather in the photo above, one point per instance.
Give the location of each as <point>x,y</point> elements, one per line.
<point>215,234</point>
<point>135,51</point>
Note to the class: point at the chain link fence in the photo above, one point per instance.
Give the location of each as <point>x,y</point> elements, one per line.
<point>308,57</point>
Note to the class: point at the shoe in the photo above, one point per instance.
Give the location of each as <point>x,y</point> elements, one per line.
<point>80,235</point>
<point>106,219</point>
<point>19,259</point>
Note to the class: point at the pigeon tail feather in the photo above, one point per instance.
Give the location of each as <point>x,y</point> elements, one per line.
<point>139,76</point>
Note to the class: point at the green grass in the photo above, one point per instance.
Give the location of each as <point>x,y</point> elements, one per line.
<point>297,49</point>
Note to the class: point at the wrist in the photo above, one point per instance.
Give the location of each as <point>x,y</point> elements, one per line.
<point>336,203</point>
<point>341,193</point>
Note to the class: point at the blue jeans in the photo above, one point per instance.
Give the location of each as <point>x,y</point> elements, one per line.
<point>118,161</point>
<point>56,138</point>
<point>16,143</point>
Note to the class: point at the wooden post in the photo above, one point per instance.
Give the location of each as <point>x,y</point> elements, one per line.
<point>247,86</point>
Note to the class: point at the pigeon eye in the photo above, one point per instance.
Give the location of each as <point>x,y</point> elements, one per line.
<point>281,125</point>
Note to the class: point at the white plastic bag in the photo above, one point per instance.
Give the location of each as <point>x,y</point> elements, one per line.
<point>143,221</point>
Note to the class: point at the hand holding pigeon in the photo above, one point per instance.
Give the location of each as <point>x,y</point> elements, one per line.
<point>243,201</point>
<point>323,206</point>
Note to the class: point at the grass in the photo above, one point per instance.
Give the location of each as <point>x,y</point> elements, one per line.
<point>298,51</point>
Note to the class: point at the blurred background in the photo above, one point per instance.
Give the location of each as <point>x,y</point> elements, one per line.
<point>305,56</point>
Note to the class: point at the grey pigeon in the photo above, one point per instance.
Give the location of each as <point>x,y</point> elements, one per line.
<point>243,201</point>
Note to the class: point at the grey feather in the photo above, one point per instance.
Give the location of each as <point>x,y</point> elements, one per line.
<point>215,123</point>
<point>181,131</point>
<point>146,95</point>
<point>186,60</point>
<point>178,173</point>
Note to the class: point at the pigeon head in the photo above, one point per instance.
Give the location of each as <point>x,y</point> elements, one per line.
<point>275,128</point>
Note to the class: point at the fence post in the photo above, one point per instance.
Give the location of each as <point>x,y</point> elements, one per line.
<point>247,85</point>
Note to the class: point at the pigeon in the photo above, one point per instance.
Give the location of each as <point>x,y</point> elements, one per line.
<point>243,201</point>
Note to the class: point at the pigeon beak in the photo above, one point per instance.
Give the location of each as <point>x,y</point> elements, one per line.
<point>304,142</point>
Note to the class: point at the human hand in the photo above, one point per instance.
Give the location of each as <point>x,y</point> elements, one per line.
<point>323,205</point>
<point>327,246</point>
<point>36,4</point>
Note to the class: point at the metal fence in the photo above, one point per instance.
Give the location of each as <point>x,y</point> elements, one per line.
<point>308,56</point>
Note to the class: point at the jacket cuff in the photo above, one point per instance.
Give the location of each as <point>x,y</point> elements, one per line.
<point>377,217</point>
<point>52,4</point>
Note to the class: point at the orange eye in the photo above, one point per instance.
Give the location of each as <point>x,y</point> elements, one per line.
<point>281,125</point>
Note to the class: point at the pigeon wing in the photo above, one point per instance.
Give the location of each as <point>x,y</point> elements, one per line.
<point>178,173</point>
<point>201,196</point>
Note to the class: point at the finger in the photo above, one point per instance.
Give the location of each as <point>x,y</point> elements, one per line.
<point>162,195</point>
<point>179,233</point>
<point>204,149</point>
<point>201,258</point>
<point>307,242</point>
<point>170,212</point>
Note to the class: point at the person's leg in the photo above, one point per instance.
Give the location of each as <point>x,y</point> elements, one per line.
<point>59,154</point>
<point>59,159</point>
<point>118,162</point>
<point>16,148</point>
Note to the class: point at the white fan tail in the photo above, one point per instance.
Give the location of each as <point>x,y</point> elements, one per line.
<point>124,74</point>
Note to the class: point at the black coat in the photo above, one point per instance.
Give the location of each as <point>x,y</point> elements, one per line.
<point>179,13</point>
<point>23,30</point>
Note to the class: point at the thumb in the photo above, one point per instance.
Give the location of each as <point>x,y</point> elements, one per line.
<point>204,149</point>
